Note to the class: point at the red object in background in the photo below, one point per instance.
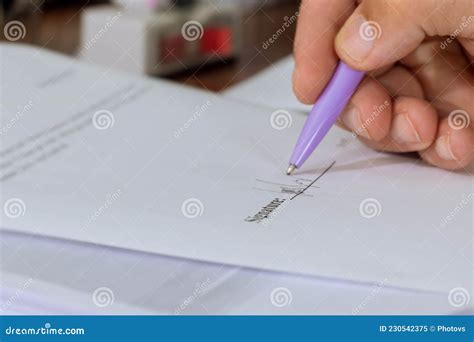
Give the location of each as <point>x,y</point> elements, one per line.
<point>172,49</point>
<point>216,40</point>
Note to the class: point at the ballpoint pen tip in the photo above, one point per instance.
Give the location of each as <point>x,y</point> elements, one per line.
<point>290,170</point>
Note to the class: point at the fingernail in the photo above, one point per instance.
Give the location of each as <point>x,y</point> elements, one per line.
<point>357,37</point>
<point>443,148</point>
<point>351,119</point>
<point>403,131</point>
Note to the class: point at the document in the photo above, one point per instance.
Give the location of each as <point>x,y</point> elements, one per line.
<point>43,275</point>
<point>270,87</point>
<point>92,155</point>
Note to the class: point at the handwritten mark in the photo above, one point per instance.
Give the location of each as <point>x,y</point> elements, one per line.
<point>311,184</point>
<point>270,210</point>
<point>286,188</point>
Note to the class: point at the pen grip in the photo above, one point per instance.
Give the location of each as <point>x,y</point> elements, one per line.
<point>325,112</point>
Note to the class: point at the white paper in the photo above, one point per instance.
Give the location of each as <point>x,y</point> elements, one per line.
<point>130,185</point>
<point>271,87</point>
<point>52,276</point>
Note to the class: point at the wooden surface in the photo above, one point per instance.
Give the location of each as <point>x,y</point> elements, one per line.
<point>59,28</point>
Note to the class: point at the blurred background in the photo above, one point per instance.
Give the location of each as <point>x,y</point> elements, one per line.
<point>211,44</point>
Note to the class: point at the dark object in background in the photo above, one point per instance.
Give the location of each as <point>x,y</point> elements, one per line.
<point>59,3</point>
<point>184,3</point>
<point>14,8</point>
<point>7,5</point>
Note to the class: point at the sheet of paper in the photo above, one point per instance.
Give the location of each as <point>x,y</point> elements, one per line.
<point>272,87</point>
<point>100,157</point>
<point>54,276</point>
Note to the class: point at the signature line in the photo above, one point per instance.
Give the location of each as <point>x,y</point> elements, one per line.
<point>322,174</point>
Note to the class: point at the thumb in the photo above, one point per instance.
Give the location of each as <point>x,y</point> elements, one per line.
<point>380,33</point>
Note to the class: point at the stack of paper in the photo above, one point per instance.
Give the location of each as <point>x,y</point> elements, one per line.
<point>93,156</point>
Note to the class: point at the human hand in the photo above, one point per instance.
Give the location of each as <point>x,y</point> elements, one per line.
<point>419,92</point>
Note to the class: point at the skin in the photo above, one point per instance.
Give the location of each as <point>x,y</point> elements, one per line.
<point>424,83</point>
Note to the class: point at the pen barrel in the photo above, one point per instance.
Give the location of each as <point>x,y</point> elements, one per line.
<point>325,112</point>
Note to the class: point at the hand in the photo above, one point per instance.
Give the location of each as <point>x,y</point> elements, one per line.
<point>419,92</point>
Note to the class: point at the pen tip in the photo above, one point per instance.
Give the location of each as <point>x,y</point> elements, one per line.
<point>290,170</point>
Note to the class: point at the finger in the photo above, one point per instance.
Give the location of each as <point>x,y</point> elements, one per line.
<point>468,45</point>
<point>444,74</point>
<point>381,71</point>
<point>381,32</point>
<point>413,127</point>
<point>401,82</point>
<point>453,148</point>
<point>368,113</point>
<point>315,58</point>
<point>453,99</point>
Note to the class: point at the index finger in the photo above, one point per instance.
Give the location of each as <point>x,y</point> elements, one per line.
<point>315,56</point>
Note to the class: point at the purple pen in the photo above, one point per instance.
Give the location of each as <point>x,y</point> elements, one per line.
<point>325,113</point>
